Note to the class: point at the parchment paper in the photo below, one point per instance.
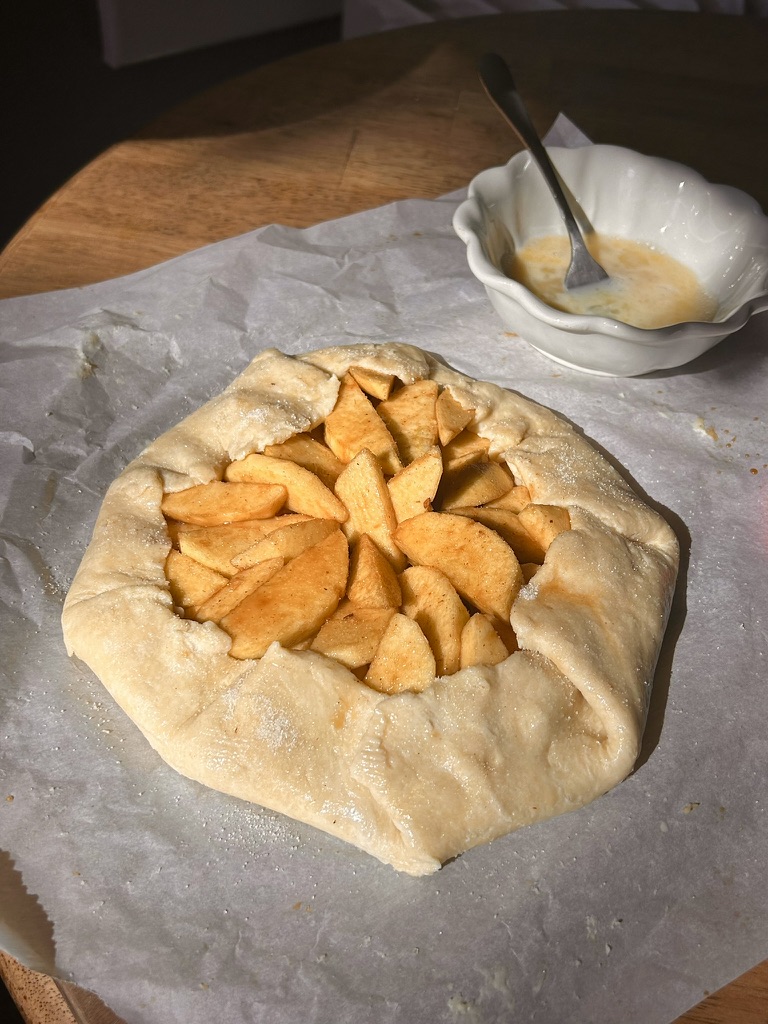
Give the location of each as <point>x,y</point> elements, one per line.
<point>178,904</point>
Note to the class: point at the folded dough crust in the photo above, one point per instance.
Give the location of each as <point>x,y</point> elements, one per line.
<point>413,779</point>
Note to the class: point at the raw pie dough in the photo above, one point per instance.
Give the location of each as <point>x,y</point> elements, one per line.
<point>414,778</point>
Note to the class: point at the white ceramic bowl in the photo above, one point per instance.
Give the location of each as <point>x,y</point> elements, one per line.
<point>718,232</point>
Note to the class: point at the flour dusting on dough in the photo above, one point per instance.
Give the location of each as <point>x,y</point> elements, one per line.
<point>272,723</point>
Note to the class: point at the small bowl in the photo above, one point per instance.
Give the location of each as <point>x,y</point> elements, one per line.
<point>716,231</point>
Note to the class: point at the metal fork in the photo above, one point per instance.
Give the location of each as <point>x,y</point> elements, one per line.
<point>499,84</point>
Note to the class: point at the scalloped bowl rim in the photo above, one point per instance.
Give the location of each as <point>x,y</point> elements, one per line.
<point>469,225</point>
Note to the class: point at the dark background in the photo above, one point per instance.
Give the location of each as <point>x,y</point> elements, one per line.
<point>62,105</point>
<point>8,1011</point>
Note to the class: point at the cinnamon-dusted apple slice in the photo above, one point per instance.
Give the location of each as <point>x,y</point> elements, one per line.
<point>354,424</point>
<point>287,542</point>
<point>191,583</point>
<point>465,448</point>
<point>309,453</point>
<point>305,492</point>
<point>480,643</point>
<point>452,417</point>
<point>480,565</point>
<point>508,525</point>
<point>216,546</point>
<point>219,502</point>
<point>236,590</point>
<point>474,484</point>
<point>403,660</point>
<point>294,603</point>
<point>352,634</point>
<point>430,598</point>
<point>514,500</point>
<point>376,383</point>
<point>544,523</point>
<point>413,489</point>
<point>363,490</point>
<point>372,581</point>
<point>411,419</point>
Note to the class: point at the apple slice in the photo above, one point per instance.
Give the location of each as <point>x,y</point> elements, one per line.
<point>219,502</point>
<point>306,493</point>
<point>372,581</point>
<point>294,603</point>
<point>544,523</point>
<point>430,598</point>
<point>352,634</point>
<point>403,660</point>
<point>376,383</point>
<point>354,424</point>
<point>237,589</point>
<point>452,417</point>
<point>413,489</point>
<point>216,546</point>
<point>480,643</point>
<point>411,419</point>
<point>363,490</point>
<point>465,448</point>
<point>508,525</point>
<point>480,565</point>
<point>514,500</point>
<point>309,453</point>
<point>474,484</point>
<point>191,583</point>
<point>286,543</point>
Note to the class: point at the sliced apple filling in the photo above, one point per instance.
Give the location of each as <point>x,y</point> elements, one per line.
<point>389,540</point>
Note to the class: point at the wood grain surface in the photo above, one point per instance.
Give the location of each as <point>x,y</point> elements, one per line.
<point>353,125</point>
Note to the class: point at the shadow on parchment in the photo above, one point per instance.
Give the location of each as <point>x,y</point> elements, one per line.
<point>661,683</point>
<point>26,932</point>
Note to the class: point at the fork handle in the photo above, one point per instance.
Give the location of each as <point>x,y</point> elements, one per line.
<point>498,83</point>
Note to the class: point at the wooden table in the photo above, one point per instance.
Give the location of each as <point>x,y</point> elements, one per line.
<point>350,126</point>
